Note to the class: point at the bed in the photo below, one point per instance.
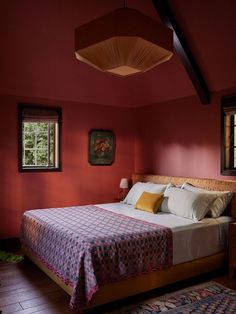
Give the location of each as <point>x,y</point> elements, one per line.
<point>176,265</point>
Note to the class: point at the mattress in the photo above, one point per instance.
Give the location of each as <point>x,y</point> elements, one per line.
<point>191,240</point>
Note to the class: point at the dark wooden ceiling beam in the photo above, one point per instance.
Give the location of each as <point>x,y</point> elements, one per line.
<point>164,11</point>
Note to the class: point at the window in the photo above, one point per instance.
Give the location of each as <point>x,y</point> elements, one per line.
<point>39,144</point>
<point>228,136</point>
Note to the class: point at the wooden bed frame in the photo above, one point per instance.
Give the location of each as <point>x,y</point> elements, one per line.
<point>128,287</point>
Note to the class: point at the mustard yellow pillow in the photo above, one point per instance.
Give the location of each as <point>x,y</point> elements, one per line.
<point>149,202</point>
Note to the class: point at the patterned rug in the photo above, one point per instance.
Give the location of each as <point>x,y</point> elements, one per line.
<point>207,298</point>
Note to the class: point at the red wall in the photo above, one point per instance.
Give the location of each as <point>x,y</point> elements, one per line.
<point>79,182</point>
<point>180,138</point>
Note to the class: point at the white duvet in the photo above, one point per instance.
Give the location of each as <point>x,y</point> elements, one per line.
<point>191,240</point>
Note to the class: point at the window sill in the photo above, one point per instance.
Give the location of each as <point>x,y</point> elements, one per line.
<point>228,172</point>
<point>40,169</point>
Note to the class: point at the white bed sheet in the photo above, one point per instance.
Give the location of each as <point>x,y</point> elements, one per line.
<point>191,240</point>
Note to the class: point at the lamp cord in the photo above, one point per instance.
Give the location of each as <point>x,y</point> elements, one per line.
<point>124,4</point>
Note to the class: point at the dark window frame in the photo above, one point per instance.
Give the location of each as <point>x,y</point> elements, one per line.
<point>21,107</point>
<point>228,107</point>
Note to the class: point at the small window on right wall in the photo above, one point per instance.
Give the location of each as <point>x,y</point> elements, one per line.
<point>228,135</point>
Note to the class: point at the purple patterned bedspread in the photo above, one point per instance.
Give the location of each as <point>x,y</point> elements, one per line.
<point>87,246</point>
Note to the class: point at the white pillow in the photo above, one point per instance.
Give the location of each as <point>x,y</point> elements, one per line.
<point>185,203</point>
<point>140,187</point>
<point>219,205</point>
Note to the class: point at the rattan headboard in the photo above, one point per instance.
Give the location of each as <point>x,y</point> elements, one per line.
<point>210,184</point>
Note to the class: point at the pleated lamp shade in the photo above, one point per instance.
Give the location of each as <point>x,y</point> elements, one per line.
<point>123,42</point>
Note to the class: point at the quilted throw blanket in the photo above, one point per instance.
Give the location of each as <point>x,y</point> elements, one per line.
<point>87,246</point>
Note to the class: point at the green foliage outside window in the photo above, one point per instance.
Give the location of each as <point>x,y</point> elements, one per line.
<point>38,144</point>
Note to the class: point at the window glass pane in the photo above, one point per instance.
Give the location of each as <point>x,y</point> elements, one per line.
<point>29,140</point>
<point>42,157</point>
<point>42,127</point>
<point>52,144</point>
<point>51,161</point>
<point>234,157</point>
<point>28,127</point>
<point>52,132</point>
<point>29,158</point>
<point>42,140</point>
<point>234,136</point>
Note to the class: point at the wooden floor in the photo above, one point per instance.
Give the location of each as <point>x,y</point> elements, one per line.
<point>25,289</point>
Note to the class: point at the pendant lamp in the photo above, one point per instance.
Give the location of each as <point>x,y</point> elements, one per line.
<point>123,42</point>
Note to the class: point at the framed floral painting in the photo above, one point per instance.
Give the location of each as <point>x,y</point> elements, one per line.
<point>101,147</point>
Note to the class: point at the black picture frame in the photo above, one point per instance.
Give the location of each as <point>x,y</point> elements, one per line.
<point>101,150</point>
